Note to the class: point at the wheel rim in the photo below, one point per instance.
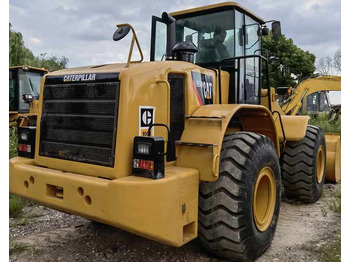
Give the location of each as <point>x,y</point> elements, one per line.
<point>264,199</point>
<point>320,164</point>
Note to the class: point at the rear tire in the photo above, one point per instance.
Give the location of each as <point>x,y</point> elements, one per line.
<point>228,226</point>
<point>304,166</point>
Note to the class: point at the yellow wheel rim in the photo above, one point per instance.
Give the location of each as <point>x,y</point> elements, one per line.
<point>264,199</point>
<point>320,164</point>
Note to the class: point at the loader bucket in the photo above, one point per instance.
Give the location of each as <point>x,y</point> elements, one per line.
<point>333,166</point>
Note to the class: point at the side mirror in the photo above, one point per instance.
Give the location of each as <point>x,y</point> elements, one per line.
<point>121,32</point>
<point>265,31</point>
<point>27,98</point>
<point>276,30</point>
<point>240,37</point>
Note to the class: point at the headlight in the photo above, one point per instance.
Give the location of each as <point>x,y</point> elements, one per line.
<point>148,157</point>
<point>23,136</point>
<point>26,141</point>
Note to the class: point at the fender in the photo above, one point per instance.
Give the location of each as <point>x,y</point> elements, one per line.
<point>200,143</point>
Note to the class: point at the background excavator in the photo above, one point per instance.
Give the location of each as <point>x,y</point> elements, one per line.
<point>314,96</point>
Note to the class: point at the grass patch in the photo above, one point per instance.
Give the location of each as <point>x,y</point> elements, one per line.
<point>25,219</point>
<point>335,202</point>
<point>17,247</point>
<point>16,205</point>
<point>13,142</point>
<point>330,252</point>
<point>322,121</point>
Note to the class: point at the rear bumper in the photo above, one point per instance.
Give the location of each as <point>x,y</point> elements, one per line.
<point>164,210</point>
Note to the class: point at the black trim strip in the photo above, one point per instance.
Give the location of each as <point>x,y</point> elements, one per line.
<point>98,78</point>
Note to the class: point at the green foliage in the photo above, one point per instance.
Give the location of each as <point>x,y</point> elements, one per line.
<point>16,205</point>
<point>288,64</point>
<point>21,55</point>
<point>322,121</point>
<point>13,142</point>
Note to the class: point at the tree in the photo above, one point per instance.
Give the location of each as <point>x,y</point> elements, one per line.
<point>20,55</point>
<point>288,64</point>
<point>324,65</point>
<point>337,60</point>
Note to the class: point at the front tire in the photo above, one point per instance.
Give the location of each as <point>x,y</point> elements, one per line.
<point>238,213</point>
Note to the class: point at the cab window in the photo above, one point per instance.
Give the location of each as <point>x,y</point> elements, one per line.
<point>213,34</point>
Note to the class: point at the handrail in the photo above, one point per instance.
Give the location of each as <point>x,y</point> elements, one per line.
<point>134,38</point>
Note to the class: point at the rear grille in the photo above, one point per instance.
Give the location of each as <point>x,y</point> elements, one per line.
<point>79,120</point>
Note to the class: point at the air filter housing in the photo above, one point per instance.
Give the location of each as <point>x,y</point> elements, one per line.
<point>185,51</point>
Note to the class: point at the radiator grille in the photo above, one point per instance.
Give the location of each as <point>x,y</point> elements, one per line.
<point>177,112</point>
<point>79,120</point>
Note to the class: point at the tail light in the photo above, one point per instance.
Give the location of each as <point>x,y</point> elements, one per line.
<point>26,141</point>
<point>148,157</point>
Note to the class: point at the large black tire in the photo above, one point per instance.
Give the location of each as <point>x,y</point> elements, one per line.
<point>302,180</point>
<point>226,221</point>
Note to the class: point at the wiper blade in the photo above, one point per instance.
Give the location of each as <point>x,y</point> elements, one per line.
<point>31,84</point>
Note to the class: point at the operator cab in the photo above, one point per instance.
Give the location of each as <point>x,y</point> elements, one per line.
<point>24,86</point>
<point>227,37</point>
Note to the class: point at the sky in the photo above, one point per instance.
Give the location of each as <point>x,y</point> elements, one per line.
<point>82,30</point>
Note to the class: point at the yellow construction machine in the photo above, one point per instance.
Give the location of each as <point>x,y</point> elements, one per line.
<point>24,89</point>
<point>313,96</point>
<point>185,145</point>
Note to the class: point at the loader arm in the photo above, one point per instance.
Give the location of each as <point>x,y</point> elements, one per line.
<point>306,87</point>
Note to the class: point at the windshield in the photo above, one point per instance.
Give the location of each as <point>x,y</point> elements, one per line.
<point>213,34</point>
<point>29,83</point>
<point>217,35</point>
<point>334,97</point>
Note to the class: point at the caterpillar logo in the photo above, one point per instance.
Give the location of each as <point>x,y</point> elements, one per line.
<point>203,87</point>
<point>78,78</point>
<point>146,118</point>
<point>207,89</point>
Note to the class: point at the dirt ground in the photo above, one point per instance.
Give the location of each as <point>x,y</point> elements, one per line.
<point>41,234</point>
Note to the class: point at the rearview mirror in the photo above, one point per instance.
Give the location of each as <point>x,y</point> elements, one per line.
<point>121,32</point>
<point>276,30</point>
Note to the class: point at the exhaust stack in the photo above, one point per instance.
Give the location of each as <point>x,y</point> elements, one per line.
<point>170,43</point>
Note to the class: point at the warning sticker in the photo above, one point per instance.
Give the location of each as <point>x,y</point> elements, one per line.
<point>146,118</point>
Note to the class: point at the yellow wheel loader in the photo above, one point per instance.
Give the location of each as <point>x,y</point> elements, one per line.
<point>313,96</point>
<point>185,145</point>
<point>24,89</point>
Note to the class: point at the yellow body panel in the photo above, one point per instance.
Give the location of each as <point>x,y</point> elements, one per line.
<point>200,143</point>
<point>164,210</point>
<point>24,67</point>
<point>141,84</point>
<point>294,127</point>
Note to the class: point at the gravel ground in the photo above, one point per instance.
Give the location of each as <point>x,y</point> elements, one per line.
<point>49,235</point>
